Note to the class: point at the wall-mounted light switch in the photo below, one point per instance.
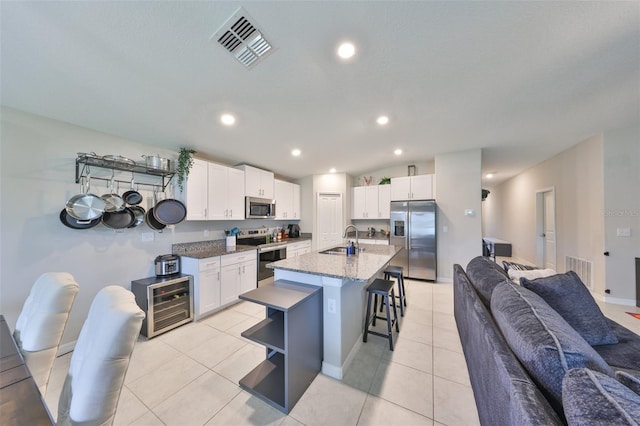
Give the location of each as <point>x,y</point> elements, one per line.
<point>624,232</point>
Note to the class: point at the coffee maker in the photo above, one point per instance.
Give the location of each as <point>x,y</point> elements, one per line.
<point>294,230</point>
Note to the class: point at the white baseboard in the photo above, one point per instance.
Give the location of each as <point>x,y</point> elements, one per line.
<point>444,280</point>
<point>65,348</point>
<point>619,301</point>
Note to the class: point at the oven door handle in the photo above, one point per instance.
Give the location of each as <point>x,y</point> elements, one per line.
<point>272,248</point>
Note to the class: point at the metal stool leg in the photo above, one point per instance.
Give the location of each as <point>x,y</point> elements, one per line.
<point>367,318</point>
<point>389,329</point>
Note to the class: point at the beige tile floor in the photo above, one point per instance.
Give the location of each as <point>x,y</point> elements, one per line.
<point>189,376</point>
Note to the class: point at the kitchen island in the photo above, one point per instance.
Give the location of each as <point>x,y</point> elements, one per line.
<point>344,280</point>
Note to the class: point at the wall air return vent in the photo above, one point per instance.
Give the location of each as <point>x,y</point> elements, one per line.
<point>243,39</point>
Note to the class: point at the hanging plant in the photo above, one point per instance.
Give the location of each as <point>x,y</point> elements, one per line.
<point>185,161</point>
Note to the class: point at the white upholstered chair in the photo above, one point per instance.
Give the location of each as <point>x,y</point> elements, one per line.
<point>42,321</point>
<point>100,359</point>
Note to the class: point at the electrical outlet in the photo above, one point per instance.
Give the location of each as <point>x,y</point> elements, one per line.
<point>147,236</point>
<point>331,306</point>
<point>624,232</point>
<point>206,232</point>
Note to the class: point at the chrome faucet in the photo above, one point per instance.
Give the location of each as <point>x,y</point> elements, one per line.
<point>356,230</point>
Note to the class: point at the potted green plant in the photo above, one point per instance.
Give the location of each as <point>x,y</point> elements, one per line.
<point>385,181</point>
<point>185,161</point>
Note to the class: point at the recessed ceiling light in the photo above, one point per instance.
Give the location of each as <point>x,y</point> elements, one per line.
<point>296,152</point>
<point>382,120</point>
<point>227,119</point>
<point>332,170</point>
<point>489,175</point>
<point>346,50</point>
<point>397,151</point>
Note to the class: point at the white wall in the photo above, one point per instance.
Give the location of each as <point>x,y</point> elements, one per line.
<point>577,176</point>
<point>37,178</point>
<point>621,210</point>
<point>458,179</point>
<point>422,168</point>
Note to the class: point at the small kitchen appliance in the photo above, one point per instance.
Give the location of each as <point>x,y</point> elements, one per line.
<point>294,230</point>
<point>260,208</point>
<point>167,264</point>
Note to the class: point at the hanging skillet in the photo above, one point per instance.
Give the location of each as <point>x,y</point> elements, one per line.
<point>152,222</point>
<point>139,214</point>
<point>119,220</point>
<point>73,223</point>
<point>113,202</point>
<point>85,206</point>
<point>170,211</point>
<point>132,197</point>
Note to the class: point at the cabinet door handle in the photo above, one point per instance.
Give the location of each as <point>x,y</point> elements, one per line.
<point>205,212</point>
<point>239,271</point>
<point>243,269</point>
<point>230,212</point>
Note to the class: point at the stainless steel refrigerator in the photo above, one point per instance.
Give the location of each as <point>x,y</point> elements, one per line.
<point>413,226</point>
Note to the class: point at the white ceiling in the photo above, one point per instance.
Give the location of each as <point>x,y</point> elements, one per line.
<point>521,80</point>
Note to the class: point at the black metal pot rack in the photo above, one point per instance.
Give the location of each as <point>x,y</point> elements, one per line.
<point>84,161</point>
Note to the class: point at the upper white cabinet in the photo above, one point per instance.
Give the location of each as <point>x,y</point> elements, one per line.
<point>412,188</point>
<point>257,182</point>
<point>370,202</point>
<point>195,194</point>
<point>214,192</point>
<point>287,196</point>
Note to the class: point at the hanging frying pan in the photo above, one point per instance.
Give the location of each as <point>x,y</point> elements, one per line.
<point>119,220</point>
<point>73,223</point>
<point>169,211</point>
<point>139,214</point>
<point>132,197</point>
<point>152,222</point>
<point>113,202</point>
<point>85,206</point>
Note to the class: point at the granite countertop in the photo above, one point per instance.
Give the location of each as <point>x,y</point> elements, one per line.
<point>213,248</point>
<point>360,267</point>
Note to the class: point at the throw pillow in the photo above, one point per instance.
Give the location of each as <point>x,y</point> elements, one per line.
<point>629,378</point>
<point>592,398</point>
<point>530,274</point>
<point>516,266</point>
<point>544,343</point>
<point>571,299</point>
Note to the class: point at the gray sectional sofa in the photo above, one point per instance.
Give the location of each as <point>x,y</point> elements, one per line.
<point>519,351</point>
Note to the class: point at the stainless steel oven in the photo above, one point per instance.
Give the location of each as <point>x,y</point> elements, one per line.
<point>268,254</point>
<point>259,208</point>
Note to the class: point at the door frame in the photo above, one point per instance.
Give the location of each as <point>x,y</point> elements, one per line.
<point>540,241</point>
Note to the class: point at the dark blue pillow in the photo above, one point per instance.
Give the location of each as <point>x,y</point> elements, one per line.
<point>544,343</point>
<point>567,294</point>
<point>594,399</point>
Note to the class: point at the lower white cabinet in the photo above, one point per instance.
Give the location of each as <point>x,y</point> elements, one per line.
<point>298,248</point>
<point>239,273</point>
<point>206,283</point>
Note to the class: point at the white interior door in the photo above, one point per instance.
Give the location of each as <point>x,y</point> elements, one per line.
<point>549,230</point>
<point>329,220</point>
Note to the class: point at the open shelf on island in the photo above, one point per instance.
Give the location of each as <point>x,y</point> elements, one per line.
<point>268,332</point>
<point>267,381</point>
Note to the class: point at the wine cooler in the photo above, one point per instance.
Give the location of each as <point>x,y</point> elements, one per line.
<point>167,302</point>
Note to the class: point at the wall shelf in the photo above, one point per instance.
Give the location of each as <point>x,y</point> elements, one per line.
<point>85,161</point>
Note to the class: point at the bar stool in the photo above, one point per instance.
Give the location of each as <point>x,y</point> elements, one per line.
<point>397,272</point>
<point>384,289</point>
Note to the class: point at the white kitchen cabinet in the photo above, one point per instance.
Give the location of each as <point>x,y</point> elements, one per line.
<point>287,196</point>
<point>195,193</point>
<point>239,274</point>
<point>226,193</point>
<point>412,188</point>
<point>214,192</point>
<point>206,283</point>
<point>384,201</point>
<point>257,182</point>
<point>370,202</point>
<point>298,248</point>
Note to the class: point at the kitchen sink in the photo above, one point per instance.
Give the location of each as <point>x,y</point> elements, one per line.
<point>337,250</point>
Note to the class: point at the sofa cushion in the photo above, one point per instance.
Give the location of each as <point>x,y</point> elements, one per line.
<point>592,398</point>
<point>516,266</point>
<point>530,274</point>
<point>485,275</point>
<point>629,378</point>
<point>571,299</point>
<point>625,354</point>
<point>544,343</point>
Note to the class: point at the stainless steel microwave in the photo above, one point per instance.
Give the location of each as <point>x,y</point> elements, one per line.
<point>259,208</point>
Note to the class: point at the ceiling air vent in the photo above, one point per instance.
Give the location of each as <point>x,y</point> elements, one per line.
<point>243,39</point>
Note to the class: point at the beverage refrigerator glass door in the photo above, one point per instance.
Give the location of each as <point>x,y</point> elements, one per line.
<point>259,208</point>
